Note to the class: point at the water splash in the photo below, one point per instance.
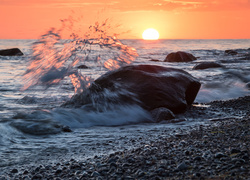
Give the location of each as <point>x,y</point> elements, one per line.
<point>53,58</point>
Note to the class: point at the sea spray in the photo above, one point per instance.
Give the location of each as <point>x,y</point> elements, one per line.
<point>53,58</point>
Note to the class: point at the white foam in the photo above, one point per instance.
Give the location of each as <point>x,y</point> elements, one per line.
<point>221,92</point>
<point>121,115</point>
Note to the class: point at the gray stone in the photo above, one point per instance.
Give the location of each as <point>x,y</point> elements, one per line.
<point>182,166</point>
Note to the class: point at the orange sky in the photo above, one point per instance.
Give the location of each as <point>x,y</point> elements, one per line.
<point>174,19</point>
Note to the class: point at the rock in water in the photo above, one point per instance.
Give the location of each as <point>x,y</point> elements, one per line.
<point>207,65</point>
<point>160,114</point>
<point>149,86</point>
<point>231,52</point>
<point>179,56</point>
<point>83,67</point>
<point>11,52</point>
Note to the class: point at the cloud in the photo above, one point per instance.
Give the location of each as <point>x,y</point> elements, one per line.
<point>181,5</point>
<point>137,5</point>
<point>55,3</point>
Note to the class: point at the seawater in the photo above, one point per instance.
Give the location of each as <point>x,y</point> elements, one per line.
<point>33,136</point>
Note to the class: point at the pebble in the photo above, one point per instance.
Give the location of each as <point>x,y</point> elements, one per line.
<point>233,151</point>
<point>95,174</point>
<point>219,155</point>
<point>182,166</point>
<point>14,171</point>
<point>197,158</point>
<point>181,157</point>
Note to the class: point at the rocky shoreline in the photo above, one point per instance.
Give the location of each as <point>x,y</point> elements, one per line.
<point>219,150</point>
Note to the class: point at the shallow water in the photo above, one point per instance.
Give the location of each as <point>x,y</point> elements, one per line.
<point>32,136</point>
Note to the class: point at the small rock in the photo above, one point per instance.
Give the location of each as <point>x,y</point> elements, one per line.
<point>197,174</point>
<point>187,153</point>
<point>58,171</point>
<point>233,151</point>
<point>83,67</point>
<point>245,157</point>
<point>160,114</point>
<point>84,174</point>
<point>207,65</point>
<point>140,173</point>
<point>113,165</point>
<point>37,177</point>
<point>3,178</point>
<point>14,171</point>
<point>26,172</point>
<point>197,158</point>
<point>182,166</point>
<point>231,52</point>
<point>219,155</point>
<point>66,129</point>
<point>95,174</point>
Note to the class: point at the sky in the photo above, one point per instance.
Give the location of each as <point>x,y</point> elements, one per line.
<point>174,19</point>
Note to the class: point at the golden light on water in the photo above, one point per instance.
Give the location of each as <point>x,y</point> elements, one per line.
<point>150,34</point>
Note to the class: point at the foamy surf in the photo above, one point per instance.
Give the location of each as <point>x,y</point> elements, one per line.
<point>52,122</point>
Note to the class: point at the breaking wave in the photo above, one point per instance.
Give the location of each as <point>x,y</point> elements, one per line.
<point>53,58</point>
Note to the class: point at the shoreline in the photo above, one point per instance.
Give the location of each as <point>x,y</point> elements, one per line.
<point>219,150</point>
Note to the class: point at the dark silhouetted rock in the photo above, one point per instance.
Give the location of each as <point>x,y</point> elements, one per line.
<point>231,52</point>
<point>149,86</point>
<point>83,67</point>
<point>11,52</point>
<point>207,65</point>
<point>179,57</point>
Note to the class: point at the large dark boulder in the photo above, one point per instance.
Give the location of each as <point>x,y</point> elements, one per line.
<point>11,52</point>
<point>149,86</point>
<point>179,56</point>
<point>207,65</point>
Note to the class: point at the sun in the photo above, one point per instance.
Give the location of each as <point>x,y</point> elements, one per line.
<point>150,34</point>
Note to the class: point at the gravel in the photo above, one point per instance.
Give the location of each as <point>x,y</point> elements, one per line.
<point>217,151</point>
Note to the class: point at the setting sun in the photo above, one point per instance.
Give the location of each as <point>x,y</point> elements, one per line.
<point>150,34</point>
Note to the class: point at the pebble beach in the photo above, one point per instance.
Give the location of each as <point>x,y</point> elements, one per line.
<point>217,150</point>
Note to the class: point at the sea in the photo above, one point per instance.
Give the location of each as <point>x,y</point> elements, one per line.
<point>31,97</point>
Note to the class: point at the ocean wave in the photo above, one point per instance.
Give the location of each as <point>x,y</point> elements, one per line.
<point>52,122</point>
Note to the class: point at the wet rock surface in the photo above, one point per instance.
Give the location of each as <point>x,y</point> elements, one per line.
<point>231,52</point>
<point>179,56</point>
<point>216,150</point>
<point>149,86</point>
<point>207,65</point>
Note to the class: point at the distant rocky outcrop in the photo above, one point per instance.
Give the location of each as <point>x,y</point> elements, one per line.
<point>149,86</point>
<point>231,52</point>
<point>179,56</point>
<point>11,52</point>
<point>207,65</point>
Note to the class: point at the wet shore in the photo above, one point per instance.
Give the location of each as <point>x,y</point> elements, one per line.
<point>217,150</point>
